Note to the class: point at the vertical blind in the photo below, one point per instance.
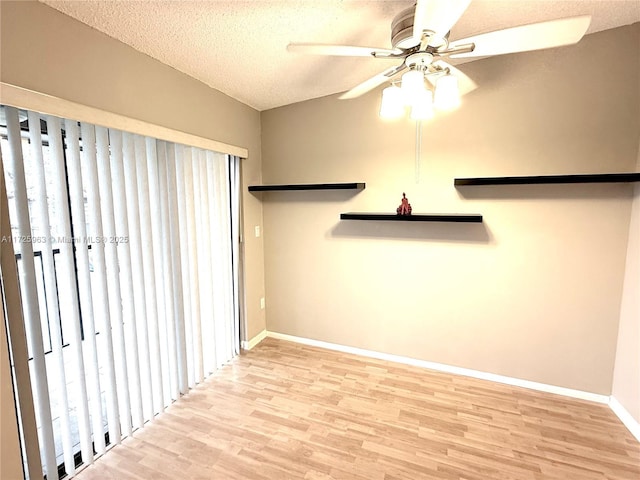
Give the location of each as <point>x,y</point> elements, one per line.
<point>127,257</point>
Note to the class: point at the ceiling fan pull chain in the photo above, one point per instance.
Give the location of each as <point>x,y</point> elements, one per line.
<point>418,149</point>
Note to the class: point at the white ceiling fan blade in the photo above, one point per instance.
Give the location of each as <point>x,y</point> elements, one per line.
<point>373,82</point>
<point>536,36</point>
<point>437,16</point>
<point>340,50</point>
<point>465,84</point>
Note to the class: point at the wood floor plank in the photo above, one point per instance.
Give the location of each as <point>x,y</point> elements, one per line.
<point>289,411</point>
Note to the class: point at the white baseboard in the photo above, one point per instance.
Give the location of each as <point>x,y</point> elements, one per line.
<point>248,345</point>
<point>625,417</point>
<point>543,387</point>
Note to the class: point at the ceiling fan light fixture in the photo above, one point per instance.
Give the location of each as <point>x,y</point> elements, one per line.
<point>412,85</point>
<point>422,107</point>
<point>447,95</point>
<point>392,104</point>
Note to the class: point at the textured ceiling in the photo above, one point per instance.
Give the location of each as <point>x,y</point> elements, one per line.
<point>239,47</point>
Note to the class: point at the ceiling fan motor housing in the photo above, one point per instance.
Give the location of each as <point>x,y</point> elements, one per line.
<point>402,32</point>
<point>402,29</point>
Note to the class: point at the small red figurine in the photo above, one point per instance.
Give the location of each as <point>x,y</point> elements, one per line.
<point>405,206</point>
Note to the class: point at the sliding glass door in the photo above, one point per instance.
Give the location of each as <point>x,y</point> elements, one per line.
<point>126,251</point>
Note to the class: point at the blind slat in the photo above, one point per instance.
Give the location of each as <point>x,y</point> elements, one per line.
<point>100,180</point>
<point>159,342</point>
<point>236,235</point>
<point>184,263</point>
<point>164,317</point>
<point>121,203</point>
<point>147,174</point>
<point>203,325</point>
<point>193,219</point>
<point>138,206</point>
<point>206,287</point>
<point>170,326</point>
<point>176,278</point>
<point>128,377</point>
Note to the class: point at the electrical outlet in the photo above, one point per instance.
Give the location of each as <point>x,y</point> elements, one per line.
<point>257,230</point>
<point>262,303</point>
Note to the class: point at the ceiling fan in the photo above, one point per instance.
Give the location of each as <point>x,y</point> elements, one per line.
<point>420,39</point>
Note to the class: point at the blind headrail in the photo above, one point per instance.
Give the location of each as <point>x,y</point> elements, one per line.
<point>24,98</point>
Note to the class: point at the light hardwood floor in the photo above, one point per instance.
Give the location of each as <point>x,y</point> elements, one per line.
<point>288,411</point>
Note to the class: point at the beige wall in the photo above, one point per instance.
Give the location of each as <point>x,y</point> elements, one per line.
<point>46,51</point>
<point>626,377</point>
<point>532,293</point>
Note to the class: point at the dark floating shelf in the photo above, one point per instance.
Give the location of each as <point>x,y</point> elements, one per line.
<point>551,179</point>
<point>307,186</point>
<point>419,217</point>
